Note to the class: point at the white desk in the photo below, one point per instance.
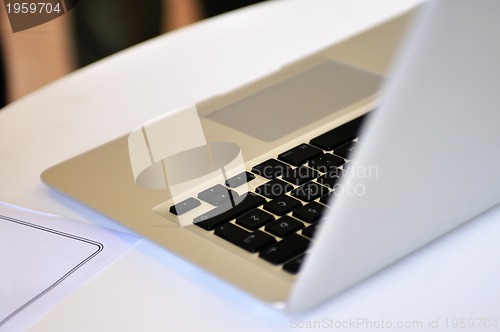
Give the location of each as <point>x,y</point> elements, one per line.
<point>149,289</point>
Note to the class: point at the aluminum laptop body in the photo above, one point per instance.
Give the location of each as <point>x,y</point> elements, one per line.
<point>438,105</point>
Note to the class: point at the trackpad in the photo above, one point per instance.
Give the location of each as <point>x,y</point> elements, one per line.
<point>297,101</point>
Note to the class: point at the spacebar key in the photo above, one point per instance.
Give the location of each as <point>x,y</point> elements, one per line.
<point>228,212</point>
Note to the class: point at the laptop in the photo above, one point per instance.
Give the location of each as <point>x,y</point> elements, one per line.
<point>302,184</point>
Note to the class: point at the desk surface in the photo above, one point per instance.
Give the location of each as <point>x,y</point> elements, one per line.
<point>150,289</point>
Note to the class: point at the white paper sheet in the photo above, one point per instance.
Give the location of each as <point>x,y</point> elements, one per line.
<point>43,258</point>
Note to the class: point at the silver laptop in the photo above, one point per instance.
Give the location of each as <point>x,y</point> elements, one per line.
<point>308,191</point>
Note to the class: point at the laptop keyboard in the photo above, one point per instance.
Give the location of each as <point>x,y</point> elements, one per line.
<point>278,221</point>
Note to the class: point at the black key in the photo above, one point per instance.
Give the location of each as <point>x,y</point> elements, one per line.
<point>282,205</point>
<point>227,197</point>
<point>300,154</point>
<point>309,213</point>
<point>217,195</point>
<point>273,188</point>
<point>215,190</point>
<point>310,191</point>
<point>250,241</point>
<point>346,149</point>
<point>300,175</point>
<point>184,206</point>
<point>254,219</point>
<point>227,212</point>
<point>240,179</point>
<point>271,168</point>
<point>285,250</point>
<point>330,179</point>
<point>338,136</point>
<point>325,199</point>
<point>294,265</point>
<point>326,162</point>
<point>309,231</point>
<point>284,226</point>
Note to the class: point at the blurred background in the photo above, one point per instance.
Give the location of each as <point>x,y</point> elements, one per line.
<point>91,31</point>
